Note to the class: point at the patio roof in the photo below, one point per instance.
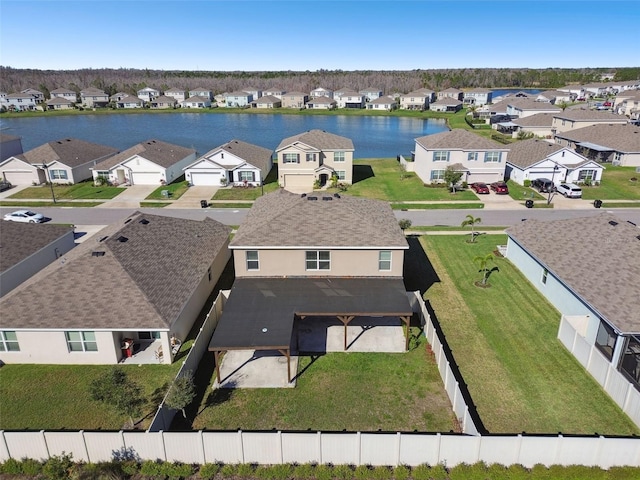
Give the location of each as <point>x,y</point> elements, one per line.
<point>593,146</point>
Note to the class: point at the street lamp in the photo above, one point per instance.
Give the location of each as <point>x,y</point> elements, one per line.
<point>46,169</point>
<point>552,187</point>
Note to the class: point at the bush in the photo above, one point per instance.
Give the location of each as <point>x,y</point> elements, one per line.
<point>527,183</point>
<point>11,466</point>
<point>303,472</point>
<point>401,473</point>
<point>322,472</point>
<point>58,467</point>
<point>208,470</point>
<point>343,472</point>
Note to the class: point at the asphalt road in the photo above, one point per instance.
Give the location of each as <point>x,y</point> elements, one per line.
<point>228,216</point>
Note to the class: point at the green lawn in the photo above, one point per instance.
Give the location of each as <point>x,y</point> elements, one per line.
<point>615,185</point>
<point>49,204</point>
<point>353,391</point>
<point>520,193</point>
<point>504,339</point>
<point>78,191</point>
<point>250,193</point>
<point>436,206</point>
<point>174,190</point>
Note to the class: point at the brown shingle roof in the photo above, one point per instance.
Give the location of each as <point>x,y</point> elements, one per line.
<point>458,139</point>
<point>21,240</point>
<point>319,139</point>
<point>257,156</point>
<point>142,282</point>
<point>583,114</point>
<point>610,280</point>
<point>283,219</point>
<point>621,138</point>
<point>529,152</point>
<point>161,153</point>
<point>68,151</point>
<point>537,120</point>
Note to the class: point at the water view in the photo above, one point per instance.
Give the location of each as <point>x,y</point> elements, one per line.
<point>372,136</point>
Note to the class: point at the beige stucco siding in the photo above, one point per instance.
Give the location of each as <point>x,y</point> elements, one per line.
<point>344,263</point>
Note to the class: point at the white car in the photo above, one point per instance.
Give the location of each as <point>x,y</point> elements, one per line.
<point>26,216</point>
<point>569,190</point>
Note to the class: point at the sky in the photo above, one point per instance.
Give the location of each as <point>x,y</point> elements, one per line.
<point>301,35</point>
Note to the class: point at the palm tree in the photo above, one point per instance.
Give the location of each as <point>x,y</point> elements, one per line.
<point>471,221</point>
<point>482,262</point>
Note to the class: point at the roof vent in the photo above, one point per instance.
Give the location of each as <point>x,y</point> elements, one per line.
<point>303,195</point>
<point>144,221</point>
<point>127,220</point>
<point>122,239</point>
<point>336,195</point>
<point>97,254</point>
<point>612,223</point>
<point>638,237</point>
<point>629,221</point>
<point>103,238</point>
<point>327,198</point>
<point>312,198</point>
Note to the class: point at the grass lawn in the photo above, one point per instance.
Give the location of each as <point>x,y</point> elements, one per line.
<point>520,376</point>
<point>175,189</point>
<point>49,204</point>
<point>154,204</point>
<point>78,191</point>
<point>353,391</point>
<point>615,185</point>
<point>251,193</point>
<point>520,193</point>
<point>436,206</point>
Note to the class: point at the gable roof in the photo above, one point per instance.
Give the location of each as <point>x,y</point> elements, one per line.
<point>151,268</point>
<point>161,153</point>
<point>458,139</point>
<point>609,281</point>
<point>318,139</point>
<point>285,220</point>
<point>59,101</point>
<point>621,138</point>
<point>447,101</point>
<point>321,100</point>
<point>255,155</point>
<point>543,119</point>
<point>92,91</point>
<point>531,104</point>
<point>68,151</point>
<point>164,99</point>
<point>63,91</point>
<point>268,99</point>
<point>583,114</point>
<point>529,152</point>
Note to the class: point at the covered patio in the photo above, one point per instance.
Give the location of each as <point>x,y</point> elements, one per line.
<point>279,315</point>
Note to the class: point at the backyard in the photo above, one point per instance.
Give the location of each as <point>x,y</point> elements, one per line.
<point>503,338</point>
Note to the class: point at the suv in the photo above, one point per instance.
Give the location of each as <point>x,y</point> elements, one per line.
<point>569,190</point>
<point>543,185</point>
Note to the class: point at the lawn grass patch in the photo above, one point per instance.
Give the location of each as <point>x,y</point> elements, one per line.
<point>503,338</point>
<point>154,204</point>
<point>352,391</point>
<point>520,193</point>
<point>174,191</point>
<point>230,205</point>
<point>436,206</point>
<point>449,228</point>
<point>620,205</point>
<point>79,191</point>
<point>49,204</point>
<point>250,193</point>
<point>616,184</point>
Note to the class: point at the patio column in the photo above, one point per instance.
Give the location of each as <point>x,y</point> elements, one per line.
<point>216,359</point>
<point>287,354</point>
<point>407,323</point>
<point>345,319</point>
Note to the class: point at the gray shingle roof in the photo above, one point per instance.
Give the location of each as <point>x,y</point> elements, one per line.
<point>59,101</point>
<point>529,152</point>
<point>21,240</point>
<point>69,151</point>
<point>610,280</point>
<point>583,114</point>
<point>621,138</point>
<point>63,90</point>
<point>161,153</point>
<point>319,139</point>
<point>537,120</point>
<point>257,156</point>
<point>458,139</point>
<point>447,101</point>
<point>283,219</point>
<point>268,99</point>
<point>531,104</point>
<point>140,283</point>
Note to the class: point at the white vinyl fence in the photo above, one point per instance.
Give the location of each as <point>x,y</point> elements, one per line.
<point>619,388</point>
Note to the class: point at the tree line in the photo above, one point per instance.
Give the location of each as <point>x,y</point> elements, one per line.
<point>131,80</point>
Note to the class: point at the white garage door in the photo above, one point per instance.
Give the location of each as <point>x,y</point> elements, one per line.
<point>146,178</point>
<point>202,178</point>
<point>19,178</point>
<point>298,181</point>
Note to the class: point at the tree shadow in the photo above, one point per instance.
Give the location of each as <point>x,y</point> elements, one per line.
<point>418,271</point>
<point>362,172</point>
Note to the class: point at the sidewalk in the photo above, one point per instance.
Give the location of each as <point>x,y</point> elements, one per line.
<point>130,198</point>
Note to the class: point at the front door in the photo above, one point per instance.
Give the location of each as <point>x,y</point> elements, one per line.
<point>323,179</point>
<point>120,175</point>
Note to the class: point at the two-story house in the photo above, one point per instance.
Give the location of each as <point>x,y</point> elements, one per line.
<point>303,259</point>
<point>314,156</point>
<point>93,97</point>
<point>238,99</point>
<point>37,94</point>
<point>197,102</point>
<point>201,92</point>
<point>274,92</point>
<point>349,99</point>
<point>370,94</point>
<point>414,101</point>
<point>20,102</point>
<point>480,159</point>
<point>177,94</point>
<point>64,93</point>
<point>148,94</point>
<point>163,101</point>
<point>477,96</point>
<point>130,102</point>
<point>295,100</point>
<point>59,103</point>
<point>446,104</point>
<point>579,118</point>
<point>451,93</point>
<point>321,92</point>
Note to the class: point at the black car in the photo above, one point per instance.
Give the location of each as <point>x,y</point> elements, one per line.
<point>4,185</point>
<point>543,185</point>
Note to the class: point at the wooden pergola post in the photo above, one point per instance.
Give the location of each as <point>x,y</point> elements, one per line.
<point>287,354</point>
<point>407,323</point>
<point>216,359</point>
<point>345,319</point>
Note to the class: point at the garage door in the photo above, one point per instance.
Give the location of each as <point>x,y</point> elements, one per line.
<point>20,178</point>
<point>206,179</point>
<point>146,178</point>
<point>298,181</point>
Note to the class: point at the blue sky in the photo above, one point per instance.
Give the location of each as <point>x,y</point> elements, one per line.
<point>313,35</point>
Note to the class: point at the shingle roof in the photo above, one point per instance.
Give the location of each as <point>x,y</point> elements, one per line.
<point>59,101</point>
<point>447,101</point>
<point>21,240</point>
<point>583,114</point>
<point>161,153</point>
<point>268,99</point>
<point>68,151</point>
<point>163,99</point>
<point>529,152</point>
<point>283,219</point>
<point>130,99</point>
<point>544,119</point>
<point>146,275</point>
<point>257,156</point>
<point>62,90</point>
<point>531,104</point>
<point>322,100</point>
<point>610,280</point>
<point>197,99</point>
<point>319,139</point>
<point>621,138</point>
<point>92,91</point>
<point>458,139</point>
<point>7,138</point>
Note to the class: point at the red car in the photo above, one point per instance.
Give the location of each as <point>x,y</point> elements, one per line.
<point>479,187</point>
<point>500,187</point>
<point>606,104</point>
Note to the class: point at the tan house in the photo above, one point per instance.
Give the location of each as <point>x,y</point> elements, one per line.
<point>294,100</point>
<point>446,104</point>
<point>142,281</point>
<point>322,103</point>
<point>300,257</point>
<point>163,102</point>
<point>59,103</point>
<point>177,94</point>
<point>314,156</point>
<point>618,144</point>
<point>268,101</point>
<point>383,103</point>
<point>64,93</point>
<point>414,101</point>
<point>93,97</point>
<point>579,118</point>
<point>451,93</point>
<point>538,124</point>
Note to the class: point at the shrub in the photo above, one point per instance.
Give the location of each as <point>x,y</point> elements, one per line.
<point>58,467</point>
<point>421,472</point>
<point>362,472</point>
<point>151,469</point>
<point>245,470</point>
<point>322,472</point>
<point>303,472</point>
<point>527,183</point>
<point>281,471</point>
<point>343,472</point>
<point>228,471</point>
<point>208,470</point>
<point>382,473</point>
<point>31,467</point>
<point>401,473</point>
<point>11,466</point>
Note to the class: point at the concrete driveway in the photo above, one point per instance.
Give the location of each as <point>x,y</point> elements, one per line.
<point>130,198</point>
<point>191,198</point>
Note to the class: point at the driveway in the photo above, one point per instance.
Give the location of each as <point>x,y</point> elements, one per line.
<point>494,201</point>
<point>130,198</point>
<point>192,197</point>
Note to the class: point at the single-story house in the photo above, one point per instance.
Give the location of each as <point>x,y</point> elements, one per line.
<point>64,161</point>
<point>573,119</point>
<point>322,103</point>
<point>556,97</point>
<point>28,248</point>
<point>538,124</point>
<point>383,103</point>
<point>233,163</point>
<point>116,97</point>
<point>618,144</point>
<point>295,100</point>
<point>59,103</point>
<point>534,158</point>
<point>143,281</point>
<point>197,102</point>
<point>446,104</point>
<point>268,101</point>
<point>480,159</point>
<point>314,156</point>
<point>130,102</point>
<point>598,293</point>
<point>148,163</point>
<point>10,145</point>
<point>163,101</point>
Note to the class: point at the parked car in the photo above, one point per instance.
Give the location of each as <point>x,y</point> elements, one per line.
<point>569,190</point>
<point>607,104</point>
<point>26,216</point>
<point>479,187</point>
<point>543,185</point>
<point>4,185</point>
<point>500,187</point>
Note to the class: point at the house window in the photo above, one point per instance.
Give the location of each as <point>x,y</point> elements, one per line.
<point>338,157</point>
<point>631,360</point>
<point>311,157</point>
<point>253,262</point>
<point>437,175</point>
<point>9,342</point>
<point>81,341</point>
<point>58,174</point>
<point>149,335</point>
<point>545,274</point>
<point>318,260</point>
<point>341,174</point>
<point>442,156</point>
<point>586,175</point>
<point>384,260</point>
<point>606,339</point>
<point>492,157</point>
<point>246,176</point>
<point>290,158</point>
<point>209,273</point>
<point>472,156</point>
